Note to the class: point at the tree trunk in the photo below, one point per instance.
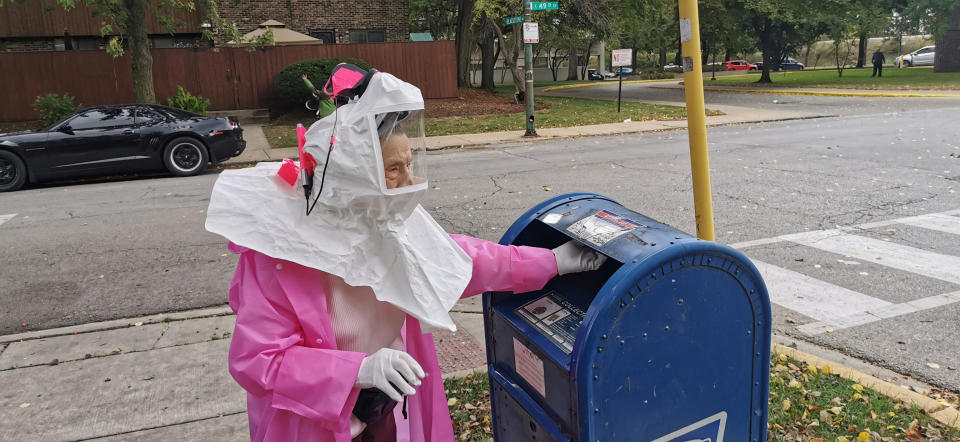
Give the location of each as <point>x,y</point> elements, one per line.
<point>572,58</point>
<point>862,51</point>
<point>769,48</point>
<point>141,62</point>
<point>663,53</point>
<point>464,41</point>
<point>488,60</point>
<point>947,57</point>
<point>510,54</point>
<point>586,64</point>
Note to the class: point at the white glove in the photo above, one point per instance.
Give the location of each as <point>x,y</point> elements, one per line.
<point>573,257</point>
<point>391,371</point>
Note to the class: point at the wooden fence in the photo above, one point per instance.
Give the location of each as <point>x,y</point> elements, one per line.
<point>232,78</point>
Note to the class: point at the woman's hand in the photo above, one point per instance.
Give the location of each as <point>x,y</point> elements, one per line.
<point>573,257</point>
<point>392,372</point>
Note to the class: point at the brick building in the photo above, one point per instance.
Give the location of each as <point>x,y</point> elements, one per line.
<point>333,21</point>
<point>41,25</point>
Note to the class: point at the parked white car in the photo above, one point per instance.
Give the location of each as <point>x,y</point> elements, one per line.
<point>920,57</point>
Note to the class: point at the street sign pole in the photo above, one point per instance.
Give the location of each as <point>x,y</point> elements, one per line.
<point>696,117</point>
<point>528,66</point>
<point>619,88</point>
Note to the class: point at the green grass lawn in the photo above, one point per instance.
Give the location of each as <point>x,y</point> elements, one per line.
<point>805,403</point>
<point>901,79</point>
<point>559,112</point>
<point>562,112</point>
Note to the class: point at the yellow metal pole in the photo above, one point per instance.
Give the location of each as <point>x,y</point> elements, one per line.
<point>696,117</point>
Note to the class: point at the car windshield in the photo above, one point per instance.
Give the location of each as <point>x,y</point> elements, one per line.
<point>54,125</point>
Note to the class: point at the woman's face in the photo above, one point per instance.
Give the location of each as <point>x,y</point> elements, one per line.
<point>397,160</point>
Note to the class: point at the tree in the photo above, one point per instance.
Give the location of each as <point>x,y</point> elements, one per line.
<point>783,26</point>
<point>464,40</point>
<point>438,17</point>
<point>125,21</point>
<point>938,17</point>
<point>947,57</point>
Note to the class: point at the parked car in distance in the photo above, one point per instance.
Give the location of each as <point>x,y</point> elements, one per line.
<point>920,57</point>
<point>609,74</point>
<point>118,139</point>
<point>626,70</point>
<point>593,74</point>
<point>790,64</point>
<point>740,65</point>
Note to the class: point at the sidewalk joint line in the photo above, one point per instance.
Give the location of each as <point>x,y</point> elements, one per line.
<point>163,426</point>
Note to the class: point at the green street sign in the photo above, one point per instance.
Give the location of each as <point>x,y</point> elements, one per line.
<point>545,6</point>
<point>513,20</point>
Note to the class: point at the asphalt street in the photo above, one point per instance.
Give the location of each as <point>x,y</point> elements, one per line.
<point>885,174</point>
<point>667,93</point>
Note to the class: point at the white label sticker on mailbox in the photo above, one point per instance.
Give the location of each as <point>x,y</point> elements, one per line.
<point>552,218</point>
<point>555,317</point>
<point>602,227</point>
<point>529,367</point>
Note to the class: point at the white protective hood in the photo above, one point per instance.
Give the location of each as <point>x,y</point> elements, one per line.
<point>359,230</point>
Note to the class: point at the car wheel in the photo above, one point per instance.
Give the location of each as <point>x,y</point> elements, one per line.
<point>13,173</point>
<point>185,156</point>
<point>909,64</point>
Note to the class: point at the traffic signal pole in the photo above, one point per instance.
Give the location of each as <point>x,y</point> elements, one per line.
<point>696,117</point>
<point>528,67</point>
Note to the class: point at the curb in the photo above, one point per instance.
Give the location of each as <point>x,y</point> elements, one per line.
<point>942,413</point>
<point>521,139</point>
<point>603,83</point>
<point>828,94</point>
<point>117,323</point>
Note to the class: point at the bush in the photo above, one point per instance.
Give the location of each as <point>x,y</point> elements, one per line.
<point>53,108</point>
<point>290,88</point>
<point>654,75</point>
<point>188,102</point>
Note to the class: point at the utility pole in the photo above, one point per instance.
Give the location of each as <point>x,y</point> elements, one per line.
<point>528,67</point>
<point>696,117</point>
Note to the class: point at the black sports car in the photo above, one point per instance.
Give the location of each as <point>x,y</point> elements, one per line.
<point>108,140</point>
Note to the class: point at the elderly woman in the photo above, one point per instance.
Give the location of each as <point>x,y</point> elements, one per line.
<point>333,303</point>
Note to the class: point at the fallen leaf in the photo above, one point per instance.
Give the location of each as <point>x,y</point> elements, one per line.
<point>825,369</point>
<point>857,387</point>
<point>932,365</point>
<point>137,324</point>
<point>451,402</point>
<point>25,405</point>
<point>786,405</point>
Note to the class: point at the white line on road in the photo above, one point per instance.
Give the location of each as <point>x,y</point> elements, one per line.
<point>5,218</point>
<point>834,307</point>
<point>890,311</point>
<point>812,297</point>
<point>910,259</point>
<point>938,222</point>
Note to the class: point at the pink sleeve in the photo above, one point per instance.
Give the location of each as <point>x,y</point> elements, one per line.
<point>268,358</point>
<point>506,268</point>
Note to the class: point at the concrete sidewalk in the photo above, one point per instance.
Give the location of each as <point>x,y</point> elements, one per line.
<point>161,377</point>
<point>259,150</point>
<point>164,377</point>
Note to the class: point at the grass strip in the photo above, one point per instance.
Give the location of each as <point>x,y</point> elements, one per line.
<point>806,403</point>
<point>921,78</point>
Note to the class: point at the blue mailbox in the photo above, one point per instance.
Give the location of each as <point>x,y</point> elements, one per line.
<point>668,341</point>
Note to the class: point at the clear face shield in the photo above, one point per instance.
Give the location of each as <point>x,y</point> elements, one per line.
<point>402,149</point>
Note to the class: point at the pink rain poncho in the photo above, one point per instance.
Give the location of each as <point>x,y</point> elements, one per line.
<point>300,387</point>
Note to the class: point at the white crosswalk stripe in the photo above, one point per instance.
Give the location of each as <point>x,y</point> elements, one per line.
<point>833,307</point>
<point>936,221</point>
<point>812,297</point>
<point>911,259</point>
<point>5,218</point>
